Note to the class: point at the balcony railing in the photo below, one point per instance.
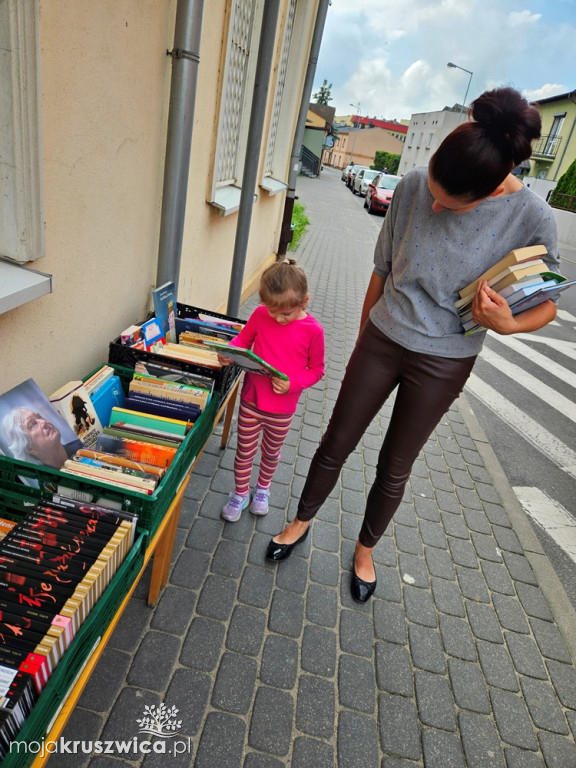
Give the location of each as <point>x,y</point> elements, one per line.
<point>547,147</point>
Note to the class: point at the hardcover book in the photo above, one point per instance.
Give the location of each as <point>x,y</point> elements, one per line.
<point>247,360</point>
<point>517,256</point>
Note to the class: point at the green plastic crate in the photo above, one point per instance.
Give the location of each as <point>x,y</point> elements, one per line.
<point>68,669</point>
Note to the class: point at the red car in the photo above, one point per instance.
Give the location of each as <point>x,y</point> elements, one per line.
<point>380,193</point>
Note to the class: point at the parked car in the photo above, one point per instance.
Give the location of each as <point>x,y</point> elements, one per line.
<point>345,170</point>
<point>352,174</point>
<point>363,179</point>
<point>379,194</point>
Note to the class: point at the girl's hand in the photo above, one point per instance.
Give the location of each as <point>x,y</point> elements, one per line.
<point>491,311</point>
<point>280,386</point>
<point>223,360</point>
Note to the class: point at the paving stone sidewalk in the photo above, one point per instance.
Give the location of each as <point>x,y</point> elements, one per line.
<point>461,660</point>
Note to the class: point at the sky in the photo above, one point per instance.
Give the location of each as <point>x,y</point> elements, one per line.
<point>388,58</point>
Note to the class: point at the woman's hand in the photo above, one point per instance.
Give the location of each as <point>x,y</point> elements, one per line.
<point>491,311</point>
<point>280,386</point>
<point>223,360</point>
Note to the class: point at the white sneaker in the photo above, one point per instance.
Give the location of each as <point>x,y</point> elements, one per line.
<point>233,509</point>
<point>259,504</point>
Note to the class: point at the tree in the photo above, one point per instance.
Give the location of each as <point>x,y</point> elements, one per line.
<point>324,94</point>
<point>386,160</point>
<point>564,193</point>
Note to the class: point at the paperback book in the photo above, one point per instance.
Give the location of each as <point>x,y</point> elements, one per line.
<point>164,301</point>
<point>73,403</point>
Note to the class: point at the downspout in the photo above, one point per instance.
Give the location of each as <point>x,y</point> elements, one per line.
<point>286,231</point>
<point>185,60</point>
<point>253,147</point>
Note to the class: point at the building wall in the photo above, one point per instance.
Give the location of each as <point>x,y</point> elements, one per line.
<point>426,132</point>
<point>104,79</point>
<point>361,145</point>
<point>552,168</point>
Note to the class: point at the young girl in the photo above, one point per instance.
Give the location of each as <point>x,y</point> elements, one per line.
<point>281,332</point>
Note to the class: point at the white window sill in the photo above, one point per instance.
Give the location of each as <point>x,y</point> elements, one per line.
<point>19,285</point>
<point>227,200</point>
<point>273,186</point>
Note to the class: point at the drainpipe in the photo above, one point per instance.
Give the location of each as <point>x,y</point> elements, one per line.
<point>286,231</point>
<point>253,147</point>
<point>185,60</point>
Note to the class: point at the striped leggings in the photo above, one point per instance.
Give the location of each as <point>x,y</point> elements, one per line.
<point>274,428</point>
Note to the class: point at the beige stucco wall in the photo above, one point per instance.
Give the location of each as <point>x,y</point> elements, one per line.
<point>105,82</point>
<point>208,243</point>
<point>105,78</point>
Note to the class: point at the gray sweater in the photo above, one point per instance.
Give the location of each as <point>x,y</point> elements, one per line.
<point>428,257</point>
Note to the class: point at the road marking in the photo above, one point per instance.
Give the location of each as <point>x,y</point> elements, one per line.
<point>551,396</point>
<point>565,347</point>
<point>537,435</point>
<point>551,516</point>
<point>565,315</point>
<point>550,366</point>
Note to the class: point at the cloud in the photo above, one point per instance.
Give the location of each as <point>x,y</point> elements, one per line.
<point>545,92</point>
<point>391,56</point>
<point>520,18</point>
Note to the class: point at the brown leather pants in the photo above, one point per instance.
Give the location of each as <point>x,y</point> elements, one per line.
<point>427,387</point>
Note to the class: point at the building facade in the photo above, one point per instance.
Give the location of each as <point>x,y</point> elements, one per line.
<point>426,132</point>
<point>89,89</point>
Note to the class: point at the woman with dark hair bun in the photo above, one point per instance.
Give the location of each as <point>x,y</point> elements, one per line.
<point>447,224</point>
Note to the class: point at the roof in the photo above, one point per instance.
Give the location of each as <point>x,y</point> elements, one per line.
<point>570,96</point>
<point>388,125</point>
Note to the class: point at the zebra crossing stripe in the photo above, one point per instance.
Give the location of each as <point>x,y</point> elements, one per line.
<point>537,435</point>
<point>549,515</point>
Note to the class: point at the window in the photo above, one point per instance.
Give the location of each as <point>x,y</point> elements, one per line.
<point>21,183</point>
<point>429,142</point>
<point>554,136</point>
<point>236,99</point>
<point>281,126</point>
<point>22,214</point>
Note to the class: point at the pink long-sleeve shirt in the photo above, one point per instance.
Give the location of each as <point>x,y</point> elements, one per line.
<point>296,349</point>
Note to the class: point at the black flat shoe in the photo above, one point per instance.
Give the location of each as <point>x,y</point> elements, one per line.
<point>278,551</point>
<point>361,590</point>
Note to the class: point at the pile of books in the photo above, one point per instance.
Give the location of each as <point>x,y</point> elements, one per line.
<point>128,443</point>
<point>140,440</point>
<point>521,277</point>
<point>55,563</point>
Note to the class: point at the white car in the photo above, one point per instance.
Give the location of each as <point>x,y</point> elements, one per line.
<point>345,172</point>
<point>362,180</point>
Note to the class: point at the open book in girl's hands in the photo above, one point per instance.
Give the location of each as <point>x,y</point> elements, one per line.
<point>246,359</point>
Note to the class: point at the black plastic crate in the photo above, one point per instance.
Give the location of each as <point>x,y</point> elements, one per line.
<point>125,356</point>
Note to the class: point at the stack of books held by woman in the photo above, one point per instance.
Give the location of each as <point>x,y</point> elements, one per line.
<point>55,563</point>
<point>522,277</point>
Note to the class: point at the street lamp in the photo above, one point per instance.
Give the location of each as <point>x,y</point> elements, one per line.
<point>456,66</point>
